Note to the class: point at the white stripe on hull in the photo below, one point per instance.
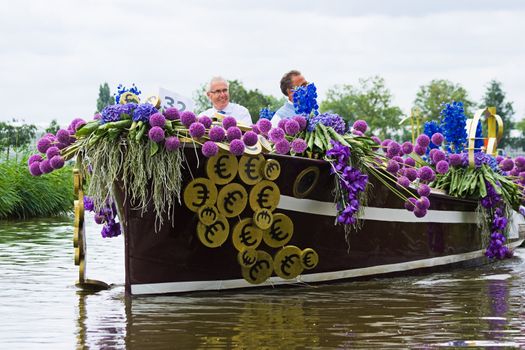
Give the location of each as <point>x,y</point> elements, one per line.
<point>179,287</point>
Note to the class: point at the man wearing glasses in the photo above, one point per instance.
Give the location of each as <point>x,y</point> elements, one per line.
<point>220,99</point>
<point>289,81</point>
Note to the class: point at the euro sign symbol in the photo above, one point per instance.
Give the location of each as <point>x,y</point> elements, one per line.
<point>212,230</point>
<point>307,260</point>
<point>288,262</point>
<point>259,265</point>
<point>250,169</point>
<point>247,260</point>
<point>276,233</point>
<point>202,195</point>
<point>209,212</point>
<point>263,215</point>
<point>270,168</point>
<point>246,236</point>
<point>230,200</point>
<point>262,197</point>
<point>220,168</point>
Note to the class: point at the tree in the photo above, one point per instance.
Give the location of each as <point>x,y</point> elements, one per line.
<point>495,97</point>
<point>14,137</point>
<point>429,98</point>
<point>253,100</point>
<point>104,97</point>
<point>370,101</point>
<point>53,127</point>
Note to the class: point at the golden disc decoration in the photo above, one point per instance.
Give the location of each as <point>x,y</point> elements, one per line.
<point>232,200</point>
<point>214,235</point>
<point>208,214</point>
<point>287,262</point>
<point>200,192</point>
<point>265,144</point>
<point>309,258</point>
<point>128,97</point>
<point>263,218</point>
<point>246,235</point>
<point>271,170</point>
<point>154,101</point>
<point>261,270</point>
<point>222,168</point>
<point>250,169</point>
<point>280,232</point>
<point>253,150</point>
<point>265,195</point>
<point>247,257</point>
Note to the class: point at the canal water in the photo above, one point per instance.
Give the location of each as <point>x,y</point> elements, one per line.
<point>40,308</point>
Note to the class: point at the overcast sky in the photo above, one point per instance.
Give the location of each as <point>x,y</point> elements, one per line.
<point>55,54</point>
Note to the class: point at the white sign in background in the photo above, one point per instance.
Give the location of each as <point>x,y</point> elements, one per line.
<point>173,99</point>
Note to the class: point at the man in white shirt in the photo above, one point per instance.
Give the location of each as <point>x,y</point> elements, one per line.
<point>219,96</point>
<point>289,82</point>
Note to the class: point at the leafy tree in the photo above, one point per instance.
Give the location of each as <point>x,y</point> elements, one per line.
<point>370,101</point>
<point>520,142</point>
<point>429,98</point>
<point>104,97</point>
<point>253,100</point>
<point>14,137</point>
<point>495,97</point>
<point>53,127</point>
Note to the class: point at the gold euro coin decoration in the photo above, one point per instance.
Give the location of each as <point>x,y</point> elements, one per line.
<point>250,169</point>
<point>128,97</point>
<point>208,214</point>
<point>198,193</point>
<point>271,170</point>
<point>280,231</point>
<point>247,257</point>
<point>309,258</point>
<point>214,235</point>
<point>265,195</point>
<point>263,218</point>
<point>232,200</point>
<point>261,270</point>
<point>287,262</point>
<point>246,235</point>
<point>222,168</point>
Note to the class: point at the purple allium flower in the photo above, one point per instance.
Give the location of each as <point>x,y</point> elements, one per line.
<point>156,134</point>
<point>233,133</point>
<point>519,161</point>
<point>56,162</point>
<point>217,134</point>
<point>393,149</point>
<point>34,168</point>
<point>52,151</point>
<point>301,120</point>
<point>360,125</point>
<point>34,158</point>
<point>97,116</point>
<point>423,203</point>
<point>455,159</point>
<point>276,134</point>
<point>197,130</point>
<point>209,149</point>
<point>187,118</point>
<point>99,219</point>
<point>385,144</point>
<point>282,146</point>
<point>426,173</point>
<point>423,190</point>
<point>142,112</point>
<point>411,173</point>
<point>357,132</point>
<point>419,213</point>
<point>45,167</point>
<point>499,158</point>
<point>299,145</point>
<point>205,120</point>
<point>172,143</point>
<point>419,150</point>
<point>437,138</point>
<point>255,129</point>
<point>281,123</point>
<point>250,138</point>
<point>403,181</point>
<point>61,145</point>
<point>438,156</point>
<point>410,204</point>
<point>407,147</point>
<point>63,136</point>
<point>172,113</point>
<point>507,164</point>
<point>237,147</point>
<point>228,122</point>
<point>410,162</point>
<point>157,119</point>
<point>514,172</point>
<point>392,166</point>
<point>291,127</point>
<point>43,144</point>
<point>423,140</point>
<point>264,125</point>
<point>89,205</point>
<point>377,140</point>
<point>442,167</point>
<point>73,125</point>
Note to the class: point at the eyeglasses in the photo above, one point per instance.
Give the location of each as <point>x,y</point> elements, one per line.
<point>216,92</point>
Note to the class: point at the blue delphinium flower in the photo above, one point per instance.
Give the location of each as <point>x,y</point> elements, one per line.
<point>327,119</point>
<point>453,122</point>
<point>479,134</point>
<point>266,113</point>
<point>143,112</point>
<point>305,99</point>
<point>429,129</point>
<point>122,89</point>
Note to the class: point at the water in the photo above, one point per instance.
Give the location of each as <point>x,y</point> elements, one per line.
<point>41,308</point>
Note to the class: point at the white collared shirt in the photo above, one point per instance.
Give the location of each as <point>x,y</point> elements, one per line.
<point>233,109</point>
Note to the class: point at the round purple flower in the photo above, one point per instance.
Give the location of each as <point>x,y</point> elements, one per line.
<point>34,169</point>
<point>301,120</point>
<point>99,219</point>
<point>43,144</point>
<point>34,158</point>
<point>228,122</point>
<point>156,134</point>
<point>197,130</point>
<point>392,166</point>
<point>410,162</point>
<point>291,127</point>
<point>237,147</point>
<point>423,190</point>
<point>172,113</point>
<point>97,116</point>
<point>233,133</point>
<point>385,144</point>
<point>157,119</point>
<point>423,203</point>
<point>205,120</point>
<point>419,213</point>
<point>172,143</point>
<point>437,138</point>
<point>426,173</point>
<point>438,156</point>
<point>410,204</point>
<point>187,118</point>
<point>442,167</point>
<point>360,125</point>
<point>52,151</point>
<point>420,150</point>
<point>282,146</point>
<point>255,129</point>
<point>507,164</point>
<point>250,138</point>
<point>423,140</point>
<point>281,123</point>
<point>74,125</point>
<point>217,134</point>
<point>519,161</point>
<point>209,149</point>
<point>400,160</point>
<point>61,145</point>
<point>56,162</point>
<point>45,167</point>
<point>411,173</point>
<point>499,158</point>
<point>393,149</point>
<point>276,134</point>
<point>264,125</point>
<point>63,136</point>
<point>403,181</point>
<point>357,132</point>
<point>455,159</point>
<point>407,147</point>
<point>299,145</point>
